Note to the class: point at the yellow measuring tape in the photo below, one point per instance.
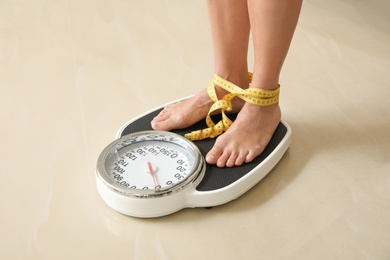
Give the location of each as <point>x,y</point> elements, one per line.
<point>254,96</point>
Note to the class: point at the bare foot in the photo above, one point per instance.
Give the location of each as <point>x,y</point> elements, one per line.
<point>183,114</point>
<point>247,137</point>
<point>188,112</point>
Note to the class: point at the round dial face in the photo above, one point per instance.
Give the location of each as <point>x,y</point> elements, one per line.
<point>147,163</point>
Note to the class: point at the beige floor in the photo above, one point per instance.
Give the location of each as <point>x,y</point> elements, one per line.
<point>72,72</point>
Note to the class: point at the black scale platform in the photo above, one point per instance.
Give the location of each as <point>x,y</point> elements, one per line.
<point>215,178</point>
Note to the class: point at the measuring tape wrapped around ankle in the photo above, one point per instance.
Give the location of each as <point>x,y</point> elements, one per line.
<point>254,96</point>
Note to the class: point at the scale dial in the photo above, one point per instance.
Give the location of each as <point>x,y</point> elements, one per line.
<point>149,164</point>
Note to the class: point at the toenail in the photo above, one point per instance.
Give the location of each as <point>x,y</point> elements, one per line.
<point>209,158</point>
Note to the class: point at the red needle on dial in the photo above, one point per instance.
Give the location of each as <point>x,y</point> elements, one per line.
<point>152,173</point>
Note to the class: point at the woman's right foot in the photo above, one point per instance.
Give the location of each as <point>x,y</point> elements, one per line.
<point>190,111</point>
<point>183,114</point>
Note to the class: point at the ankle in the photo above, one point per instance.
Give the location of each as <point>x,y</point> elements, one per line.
<point>239,79</point>
<point>264,82</point>
<point>272,111</point>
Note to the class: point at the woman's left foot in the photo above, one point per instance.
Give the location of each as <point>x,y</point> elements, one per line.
<point>247,137</point>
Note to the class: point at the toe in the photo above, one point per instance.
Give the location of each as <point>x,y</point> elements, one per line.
<point>162,121</point>
<point>241,158</point>
<point>214,154</point>
<point>155,123</point>
<point>158,124</point>
<point>231,161</point>
<point>251,156</point>
<point>224,158</point>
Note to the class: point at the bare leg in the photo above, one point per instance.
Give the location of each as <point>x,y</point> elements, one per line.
<point>273,24</point>
<point>229,20</point>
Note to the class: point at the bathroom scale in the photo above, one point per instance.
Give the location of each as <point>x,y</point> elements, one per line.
<point>146,173</point>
